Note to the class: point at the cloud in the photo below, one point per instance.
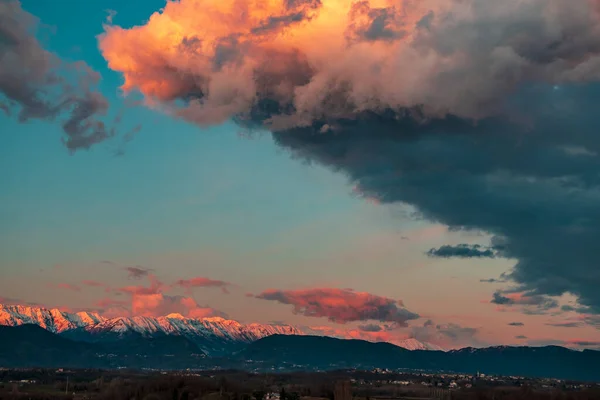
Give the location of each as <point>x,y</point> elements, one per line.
<point>584,343</point>
<point>516,324</point>
<point>159,304</point>
<point>220,61</point>
<point>202,282</point>
<point>112,308</point>
<point>12,301</point>
<point>565,324</point>
<point>572,343</point>
<point>461,109</point>
<point>37,84</point>
<point>532,303</point>
<point>521,337</point>
<point>342,305</point>
<point>153,301</point>
<point>592,320</point>
<point>137,272</point>
<point>492,280</point>
<point>370,328</point>
<point>446,335</point>
<point>462,251</point>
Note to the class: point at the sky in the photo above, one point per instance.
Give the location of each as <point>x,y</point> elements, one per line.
<point>379,170</point>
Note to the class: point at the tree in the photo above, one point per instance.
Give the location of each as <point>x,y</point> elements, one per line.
<point>293,396</point>
<point>282,393</point>
<point>259,394</point>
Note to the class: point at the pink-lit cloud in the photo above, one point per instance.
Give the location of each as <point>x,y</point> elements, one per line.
<point>153,301</point>
<point>341,305</point>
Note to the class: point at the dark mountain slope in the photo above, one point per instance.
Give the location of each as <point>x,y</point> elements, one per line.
<point>31,345</point>
<point>325,352</point>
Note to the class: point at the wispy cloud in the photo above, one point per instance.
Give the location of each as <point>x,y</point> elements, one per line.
<point>198,282</point>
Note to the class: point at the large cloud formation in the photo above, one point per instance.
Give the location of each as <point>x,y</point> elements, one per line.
<point>342,305</point>
<point>479,113</point>
<point>37,84</point>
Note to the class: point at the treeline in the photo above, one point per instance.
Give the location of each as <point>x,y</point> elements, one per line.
<point>236,385</point>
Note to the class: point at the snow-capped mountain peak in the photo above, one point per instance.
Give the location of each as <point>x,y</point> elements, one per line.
<point>414,344</point>
<point>214,335</point>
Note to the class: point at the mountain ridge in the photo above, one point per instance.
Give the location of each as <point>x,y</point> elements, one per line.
<point>320,352</point>
<point>213,335</point>
<point>31,346</point>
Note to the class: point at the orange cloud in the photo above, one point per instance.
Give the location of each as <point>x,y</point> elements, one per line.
<point>289,63</point>
<point>342,305</point>
<point>152,301</point>
<point>159,304</point>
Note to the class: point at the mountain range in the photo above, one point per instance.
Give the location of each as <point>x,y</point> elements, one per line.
<point>318,352</point>
<point>215,336</point>
<point>30,345</point>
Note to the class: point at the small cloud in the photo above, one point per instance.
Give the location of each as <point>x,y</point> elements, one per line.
<point>521,337</point>
<point>446,335</point>
<point>110,14</point>
<point>584,343</point>
<point>532,304</point>
<point>565,324</point>
<point>516,324</point>
<point>137,272</point>
<point>462,251</point>
<point>492,280</point>
<point>202,282</point>
<point>370,328</point>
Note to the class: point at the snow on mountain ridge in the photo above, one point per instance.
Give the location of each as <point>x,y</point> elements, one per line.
<point>53,320</point>
<point>212,334</point>
<point>57,321</point>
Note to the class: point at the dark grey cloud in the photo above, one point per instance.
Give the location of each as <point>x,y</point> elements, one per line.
<point>450,335</point>
<point>492,280</point>
<point>521,337</point>
<point>370,328</point>
<point>462,251</point>
<point>137,272</point>
<point>592,320</point>
<point>37,84</point>
<point>516,324</point>
<point>532,304</point>
<point>585,343</point>
<point>371,24</point>
<point>519,185</point>
<point>565,324</point>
